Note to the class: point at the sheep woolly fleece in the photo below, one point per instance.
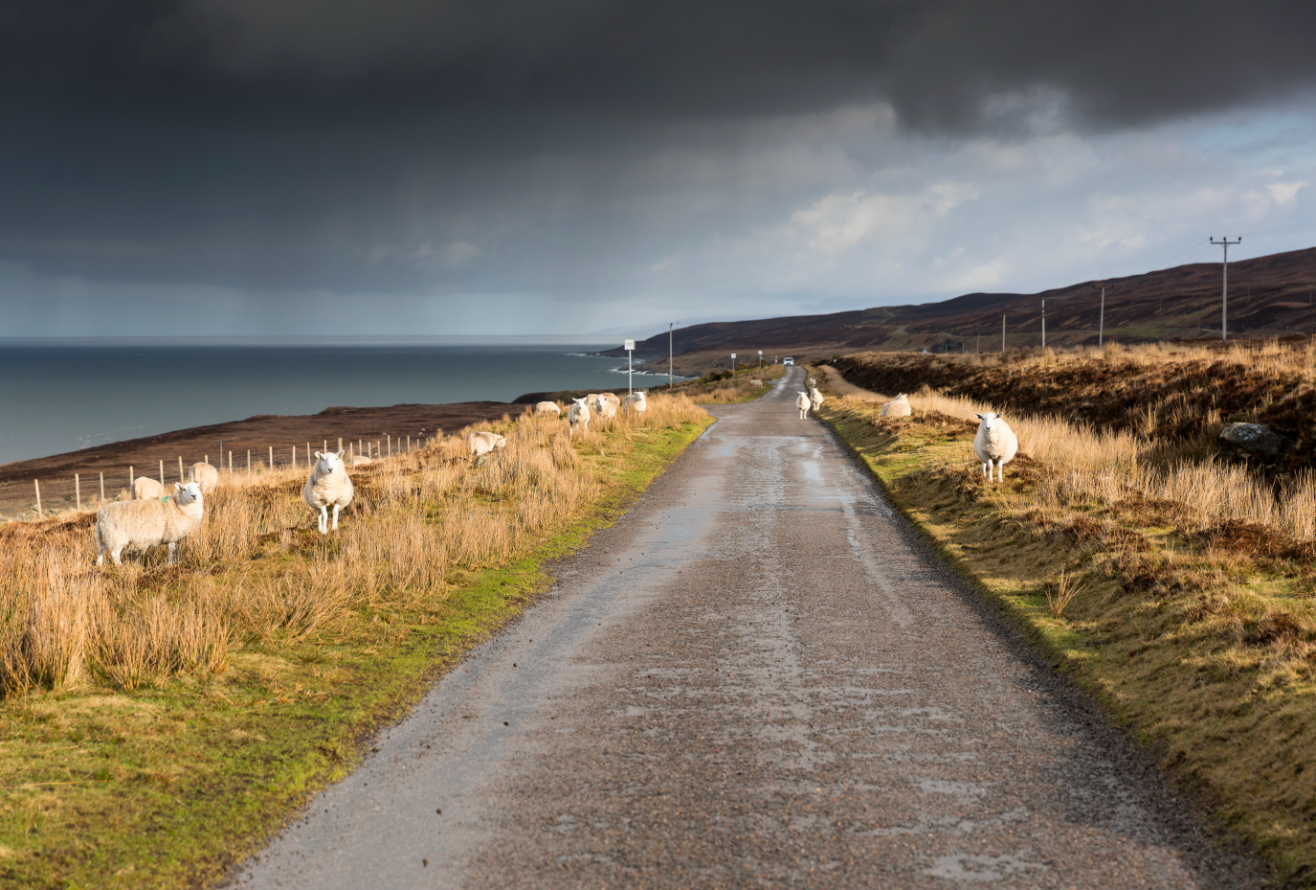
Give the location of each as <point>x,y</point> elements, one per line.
<point>578,415</point>
<point>145,489</point>
<point>147,523</point>
<point>802,402</point>
<point>328,486</point>
<point>484,442</point>
<point>994,443</point>
<point>897,407</point>
<point>205,475</point>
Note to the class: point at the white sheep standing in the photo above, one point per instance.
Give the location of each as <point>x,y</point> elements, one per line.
<point>147,523</point>
<point>755,382</point>
<point>482,443</point>
<point>550,408</point>
<point>813,384</point>
<point>815,398</point>
<point>605,404</point>
<point>802,402</point>
<point>147,489</point>
<point>897,407</point>
<point>578,415</point>
<point>327,486</point>
<point>995,442</point>
<point>636,402</point>
<point>205,475</point>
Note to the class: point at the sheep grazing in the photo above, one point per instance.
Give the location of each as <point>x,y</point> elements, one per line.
<point>995,442</point>
<point>802,402</point>
<point>480,444</point>
<point>205,475</point>
<point>578,415</point>
<point>550,408</point>
<point>756,382</point>
<point>145,523</point>
<point>328,486</point>
<point>147,489</point>
<point>815,398</point>
<point>897,407</point>
<point>636,402</point>
<point>606,405</point>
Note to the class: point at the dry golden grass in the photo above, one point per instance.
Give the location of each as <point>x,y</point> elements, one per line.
<point>257,570</point>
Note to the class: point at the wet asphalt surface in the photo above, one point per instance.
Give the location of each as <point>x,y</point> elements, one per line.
<point>759,677</point>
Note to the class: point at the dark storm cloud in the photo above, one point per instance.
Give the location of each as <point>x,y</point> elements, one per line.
<point>355,144</point>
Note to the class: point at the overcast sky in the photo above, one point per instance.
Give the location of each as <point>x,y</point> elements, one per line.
<point>313,167</point>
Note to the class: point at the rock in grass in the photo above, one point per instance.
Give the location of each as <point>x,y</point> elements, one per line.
<point>1255,437</point>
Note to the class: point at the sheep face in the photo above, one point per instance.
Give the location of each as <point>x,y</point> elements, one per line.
<point>987,421</point>
<point>328,461</point>
<point>187,494</point>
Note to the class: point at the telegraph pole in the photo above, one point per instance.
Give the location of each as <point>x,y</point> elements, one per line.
<point>1044,324</point>
<point>1101,319</point>
<point>1002,332</point>
<point>670,325</point>
<point>1224,292</point>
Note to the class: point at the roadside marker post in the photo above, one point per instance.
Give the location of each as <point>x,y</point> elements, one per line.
<point>630,367</point>
<point>733,367</point>
<point>77,490</point>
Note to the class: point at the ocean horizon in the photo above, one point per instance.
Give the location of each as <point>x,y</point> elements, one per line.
<point>65,394</point>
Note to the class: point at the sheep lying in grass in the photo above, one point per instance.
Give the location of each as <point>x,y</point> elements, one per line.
<point>482,443</point>
<point>802,402</point>
<point>815,398</point>
<point>636,402</point>
<point>605,405</point>
<point>147,489</point>
<point>549,408</point>
<point>897,407</point>
<point>578,416</point>
<point>327,486</point>
<point>205,475</point>
<point>995,442</point>
<point>146,523</point>
<point>360,460</point>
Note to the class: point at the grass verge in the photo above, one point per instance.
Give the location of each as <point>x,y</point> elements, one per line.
<point>1197,638</point>
<point>165,781</point>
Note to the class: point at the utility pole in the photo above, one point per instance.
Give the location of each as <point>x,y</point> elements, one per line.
<point>1224,291</point>
<point>630,366</point>
<point>670,325</point>
<point>1002,332</point>
<point>1101,319</point>
<point>1044,324</point>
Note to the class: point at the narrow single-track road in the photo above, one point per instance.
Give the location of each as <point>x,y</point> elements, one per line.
<point>758,678</point>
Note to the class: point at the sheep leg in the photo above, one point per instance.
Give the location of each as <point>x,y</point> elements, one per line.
<point>336,509</point>
<point>1000,471</point>
<point>100,557</point>
<point>114,555</point>
<point>322,520</point>
<point>987,470</point>
<point>173,553</point>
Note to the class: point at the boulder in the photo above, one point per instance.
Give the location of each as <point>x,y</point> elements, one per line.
<point>1255,437</point>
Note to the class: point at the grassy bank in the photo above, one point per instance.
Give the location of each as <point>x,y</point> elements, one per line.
<point>1196,628</point>
<point>158,722</point>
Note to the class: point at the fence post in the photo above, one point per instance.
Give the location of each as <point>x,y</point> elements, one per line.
<point>181,477</point>
<point>408,443</point>
<point>77,490</point>
<point>37,483</point>
<point>162,485</point>
<point>102,487</point>
<point>294,457</point>
<point>340,443</point>
<point>271,457</point>
<point>248,461</point>
<point>390,444</point>
<point>230,461</point>
<point>130,483</point>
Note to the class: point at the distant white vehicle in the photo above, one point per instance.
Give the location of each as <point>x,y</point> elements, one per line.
<point>788,361</point>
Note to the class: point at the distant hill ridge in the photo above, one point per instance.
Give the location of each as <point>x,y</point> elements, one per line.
<point>1268,296</point>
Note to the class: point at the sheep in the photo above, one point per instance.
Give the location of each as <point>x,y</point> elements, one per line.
<point>606,407</point>
<point>897,407</point>
<point>802,402</point>
<point>755,382</point>
<point>815,398</point>
<point>480,444</point>
<point>147,489</point>
<point>145,523</point>
<point>635,402</point>
<point>995,442</point>
<point>548,408</point>
<point>578,415</point>
<point>205,475</point>
<point>360,460</point>
<point>327,486</point>
<point>813,384</point>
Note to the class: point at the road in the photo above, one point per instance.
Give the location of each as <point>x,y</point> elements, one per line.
<point>758,678</point>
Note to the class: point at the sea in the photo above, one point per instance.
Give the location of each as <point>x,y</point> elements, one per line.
<point>64,395</point>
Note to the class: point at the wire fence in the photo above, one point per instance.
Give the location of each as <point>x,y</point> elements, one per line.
<point>43,496</point>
